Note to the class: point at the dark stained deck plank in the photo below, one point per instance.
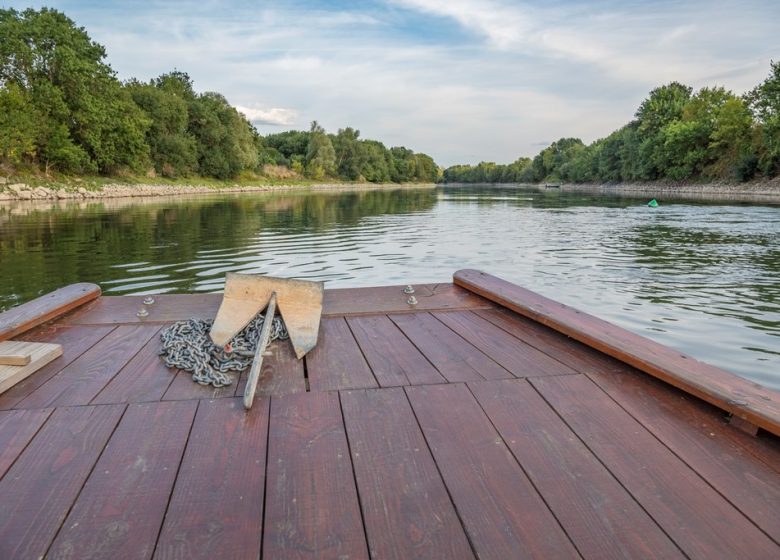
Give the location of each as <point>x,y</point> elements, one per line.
<point>393,359</point>
<point>392,299</point>
<point>337,362</point>
<point>17,428</point>
<point>715,450</point>
<point>116,310</point>
<point>574,354</point>
<point>168,308</point>
<point>514,355</point>
<point>74,340</point>
<point>600,517</point>
<point>406,509</point>
<point>312,508</point>
<point>748,401</point>
<point>79,382</point>
<point>26,316</point>
<point>282,373</point>
<point>501,511</point>
<point>183,388</point>
<point>700,521</point>
<point>587,360</point>
<point>456,359</point>
<point>39,489</point>
<point>144,378</point>
<point>120,510</point>
<point>216,510</point>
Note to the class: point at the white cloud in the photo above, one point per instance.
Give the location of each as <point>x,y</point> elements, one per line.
<point>504,25</point>
<point>275,116</point>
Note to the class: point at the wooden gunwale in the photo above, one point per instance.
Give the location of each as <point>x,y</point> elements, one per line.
<point>29,315</point>
<point>746,400</point>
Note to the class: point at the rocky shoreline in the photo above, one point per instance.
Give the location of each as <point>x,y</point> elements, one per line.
<point>756,191</point>
<point>763,191</point>
<point>21,192</point>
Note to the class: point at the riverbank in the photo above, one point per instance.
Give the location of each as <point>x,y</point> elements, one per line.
<point>21,192</point>
<point>754,191</point>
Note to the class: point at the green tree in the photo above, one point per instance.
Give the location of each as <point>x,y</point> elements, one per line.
<point>172,148</point>
<point>320,155</point>
<point>86,121</point>
<point>764,101</point>
<point>18,126</point>
<point>350,157</point>
<point>224,139</point>
<point>377,161</point>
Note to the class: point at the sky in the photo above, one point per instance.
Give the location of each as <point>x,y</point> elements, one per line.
<point>461,80</point>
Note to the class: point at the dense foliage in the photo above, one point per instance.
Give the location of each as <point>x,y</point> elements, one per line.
<point>676,135</point>
<point>63,109</point>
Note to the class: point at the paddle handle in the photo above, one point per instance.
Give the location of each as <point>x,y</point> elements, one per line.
<point>257,363</point>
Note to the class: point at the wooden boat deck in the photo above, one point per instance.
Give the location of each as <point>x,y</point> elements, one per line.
<point>455,429</point>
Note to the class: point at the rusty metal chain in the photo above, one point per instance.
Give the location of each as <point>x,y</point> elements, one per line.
<point>186,345</point>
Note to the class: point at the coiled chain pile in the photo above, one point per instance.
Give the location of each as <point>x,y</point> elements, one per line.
<point>186,345</point>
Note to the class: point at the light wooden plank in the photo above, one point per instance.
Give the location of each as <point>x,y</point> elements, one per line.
<point>74,341</point>
<point>39,353</point>
<point>84,378</point>
<point>282,373</point>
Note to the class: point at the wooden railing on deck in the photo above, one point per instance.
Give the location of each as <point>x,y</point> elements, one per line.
<point>745,400</point>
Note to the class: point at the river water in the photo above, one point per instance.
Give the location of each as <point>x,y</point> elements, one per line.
<point>700,277</point>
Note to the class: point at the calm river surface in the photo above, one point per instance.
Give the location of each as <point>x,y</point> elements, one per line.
<point>704,278</point>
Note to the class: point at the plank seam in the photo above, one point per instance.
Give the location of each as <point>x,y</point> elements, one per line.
<point>522,468</point>
<point>489,357</point>
<point>108,382</point>
<point>683,461</point>
<point>175,479</point>
<point>529,343</point>
<point>441,477</point>
<point>306,383</point>
<point>86,478</point>
<point>271,399</point>
<point>10,466</point>
<point>157,332</point>
<point>51,379</point>
<point>354,476</point>
<point>55,374</point>
<point>444,379</point>
<point>620,482</point>
<point>365,359</point>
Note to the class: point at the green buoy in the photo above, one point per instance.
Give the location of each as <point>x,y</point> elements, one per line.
<point>653,203</point>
